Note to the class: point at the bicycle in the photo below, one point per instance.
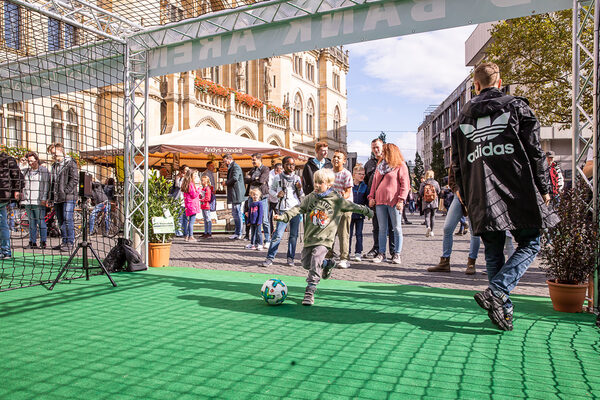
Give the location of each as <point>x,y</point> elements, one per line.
<point>21,223</point>
<point>113,228</point>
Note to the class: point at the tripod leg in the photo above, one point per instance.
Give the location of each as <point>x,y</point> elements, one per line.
<point>102,265</point>
<point>64,268</point>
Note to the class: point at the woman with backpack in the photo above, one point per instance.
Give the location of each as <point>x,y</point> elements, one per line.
<point>207,198</point>
<point>430,194</point>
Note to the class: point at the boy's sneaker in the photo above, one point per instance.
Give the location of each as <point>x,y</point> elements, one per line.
<point>250,247</point>
<point>378,258</point>
<point>494,306</point>
<point>428,232</point>
<point>258,247</point>
<point>343,264</point>
<point>309,296</point>
<point>396,259</point>
<point>290,262</point>
<point>266,245</point>
<point>357,257</point>
<point>328,266</point>
<point>267,263</point>
<point>5,256</point>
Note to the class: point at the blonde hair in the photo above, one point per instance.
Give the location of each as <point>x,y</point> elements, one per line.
<point>429,174</point>
<point>324,175</point>
<point>487,74</point>
<point>358,168</point>
<point>205,178</point>
<point>255,190</point>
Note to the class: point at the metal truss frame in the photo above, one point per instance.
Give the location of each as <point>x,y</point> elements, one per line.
<point>136,144</point>
<point>585,77</point>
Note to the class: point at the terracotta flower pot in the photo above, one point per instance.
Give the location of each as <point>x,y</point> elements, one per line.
<point>159,254</point>
<point>566,297</point>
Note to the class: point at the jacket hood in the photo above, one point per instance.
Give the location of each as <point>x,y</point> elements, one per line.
<point>489,101</point>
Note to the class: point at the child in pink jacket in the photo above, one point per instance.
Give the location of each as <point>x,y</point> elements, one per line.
<point>191,200</point>
<point>206,192</point>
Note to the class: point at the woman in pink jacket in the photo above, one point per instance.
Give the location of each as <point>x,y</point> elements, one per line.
<point>191,200</point>
<point>391,184</point>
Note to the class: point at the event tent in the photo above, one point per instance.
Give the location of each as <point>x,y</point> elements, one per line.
<point>196,146</point>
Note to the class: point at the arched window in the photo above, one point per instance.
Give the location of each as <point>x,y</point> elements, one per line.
<point>297,112</point>
<point>57,124</point>
<point>336,123</point>
<point>72,136</point>
<point>310,118</point>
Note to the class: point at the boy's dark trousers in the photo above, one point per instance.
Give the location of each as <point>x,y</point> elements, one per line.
<point>312,260</point>
<point>356,225</point>
<point>255,234</point>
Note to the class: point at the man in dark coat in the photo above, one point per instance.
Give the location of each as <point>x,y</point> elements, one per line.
<point>499,169</point>
<point>64,189</point>
<point>313,165</point>
<point>235,193</point>
<point>258,177</point>
<point>11,184</point>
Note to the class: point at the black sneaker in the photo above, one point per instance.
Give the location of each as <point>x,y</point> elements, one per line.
<point>31,245</point>
<point>495,309</point>
<point>59,247</point>
<point>309,296</point>
<point>43,245</point>
<point>372,254</point>
<point>328,266</point>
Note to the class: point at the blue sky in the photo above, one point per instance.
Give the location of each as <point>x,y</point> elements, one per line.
<point>391,82</point>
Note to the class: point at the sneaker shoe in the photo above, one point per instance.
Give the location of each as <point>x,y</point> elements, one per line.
<point>290,262</point>
<point>508,321</point>
<point>31,245</point>
<point>59,247</point>
<point>328,266</point>
<point>357,257</point>
<point>242,237</point>
<point>267,263</point>
<point>233,237</point>
<point>378,258</point>
<point>459,233</point>
<point>428,232</point>
<point>443,265</point>
<point>372,254</point>
<point>43,245</point>
<point>249,247</point>
<point>396,259</point>
<point>192,239</point>
<point>343,264</point>
<point>309,296</point>
<point>5,256</point>
<point>187,239</point>
<point>258,247</point>
<point>407,223</point>
<point>67,248</point>
<point>494,306</point>
<point>266,245</point>
<point>431,234</point>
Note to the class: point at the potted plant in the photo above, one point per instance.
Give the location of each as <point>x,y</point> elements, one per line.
<point>159,200</point>
<point>569,250</point>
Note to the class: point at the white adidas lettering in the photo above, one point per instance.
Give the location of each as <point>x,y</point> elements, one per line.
<point>489,150</point>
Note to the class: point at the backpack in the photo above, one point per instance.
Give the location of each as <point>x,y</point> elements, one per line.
<point>174,190</point>
<point>429,194</point>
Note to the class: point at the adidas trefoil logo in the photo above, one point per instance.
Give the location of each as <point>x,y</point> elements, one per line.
<point>485,130</point>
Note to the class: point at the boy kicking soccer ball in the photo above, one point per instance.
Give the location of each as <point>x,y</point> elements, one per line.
<point>323,209</point>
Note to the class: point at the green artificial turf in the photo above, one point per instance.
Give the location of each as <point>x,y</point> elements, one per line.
<point>177,333</point>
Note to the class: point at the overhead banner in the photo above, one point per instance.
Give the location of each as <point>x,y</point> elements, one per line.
<point>359,23</point>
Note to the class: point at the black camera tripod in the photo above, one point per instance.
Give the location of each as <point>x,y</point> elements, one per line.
<point>84,245</point>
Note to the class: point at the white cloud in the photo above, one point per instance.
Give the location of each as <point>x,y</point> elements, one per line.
<point>363,149</point>
<point>421,66</point>
<point>406,141</point>
<point>355,115</point>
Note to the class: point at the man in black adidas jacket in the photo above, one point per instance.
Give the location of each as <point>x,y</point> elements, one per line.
<point>11,184</point>
<point>499,168</point>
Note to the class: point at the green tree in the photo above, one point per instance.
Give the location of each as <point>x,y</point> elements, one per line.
<point>418,171</point>
<point>382,136</point>
<point>437,161</point>
<point>534,53</point>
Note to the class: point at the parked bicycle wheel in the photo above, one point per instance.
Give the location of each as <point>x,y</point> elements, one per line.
<point>114,226</point>
<point>21,224</point>
<point>77,223</point>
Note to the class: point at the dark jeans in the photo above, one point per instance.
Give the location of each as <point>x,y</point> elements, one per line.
<point>429,217</point>
<point>255,235</point>
<point>504,276</point>
<point>64,214</point>
<point>356,225</point>
<point>376,234</point>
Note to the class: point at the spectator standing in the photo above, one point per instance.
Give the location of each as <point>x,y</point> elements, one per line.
<point>100,202</point>
<point>177,194</point>
<point>235,194</point>
<point>288,189</point>
<point>35,197</point>
<point>11,184</point>
<point>109,189</point>
<point>258,177</point>
<point>315,164</point>
<point>277,169</point>
<point>503,183</point>
<point>556,177</point>
<point>430,194</point>
<point>391,184</point>
<point>370,168</point>
<point>191,199</point>
<point>206,193</point>
<point>210,172</point>
<point>406,206</point>
<point>359,194</point>
<point>342,186</point>
<point>63,194</point>
<point>255,218</point>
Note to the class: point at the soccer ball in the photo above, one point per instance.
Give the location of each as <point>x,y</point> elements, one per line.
<point>274,291</point>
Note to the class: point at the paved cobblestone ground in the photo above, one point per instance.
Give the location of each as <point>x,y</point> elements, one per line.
<point>419,252</point>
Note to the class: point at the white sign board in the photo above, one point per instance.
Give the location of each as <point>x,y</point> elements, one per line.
<point>163,225</point>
